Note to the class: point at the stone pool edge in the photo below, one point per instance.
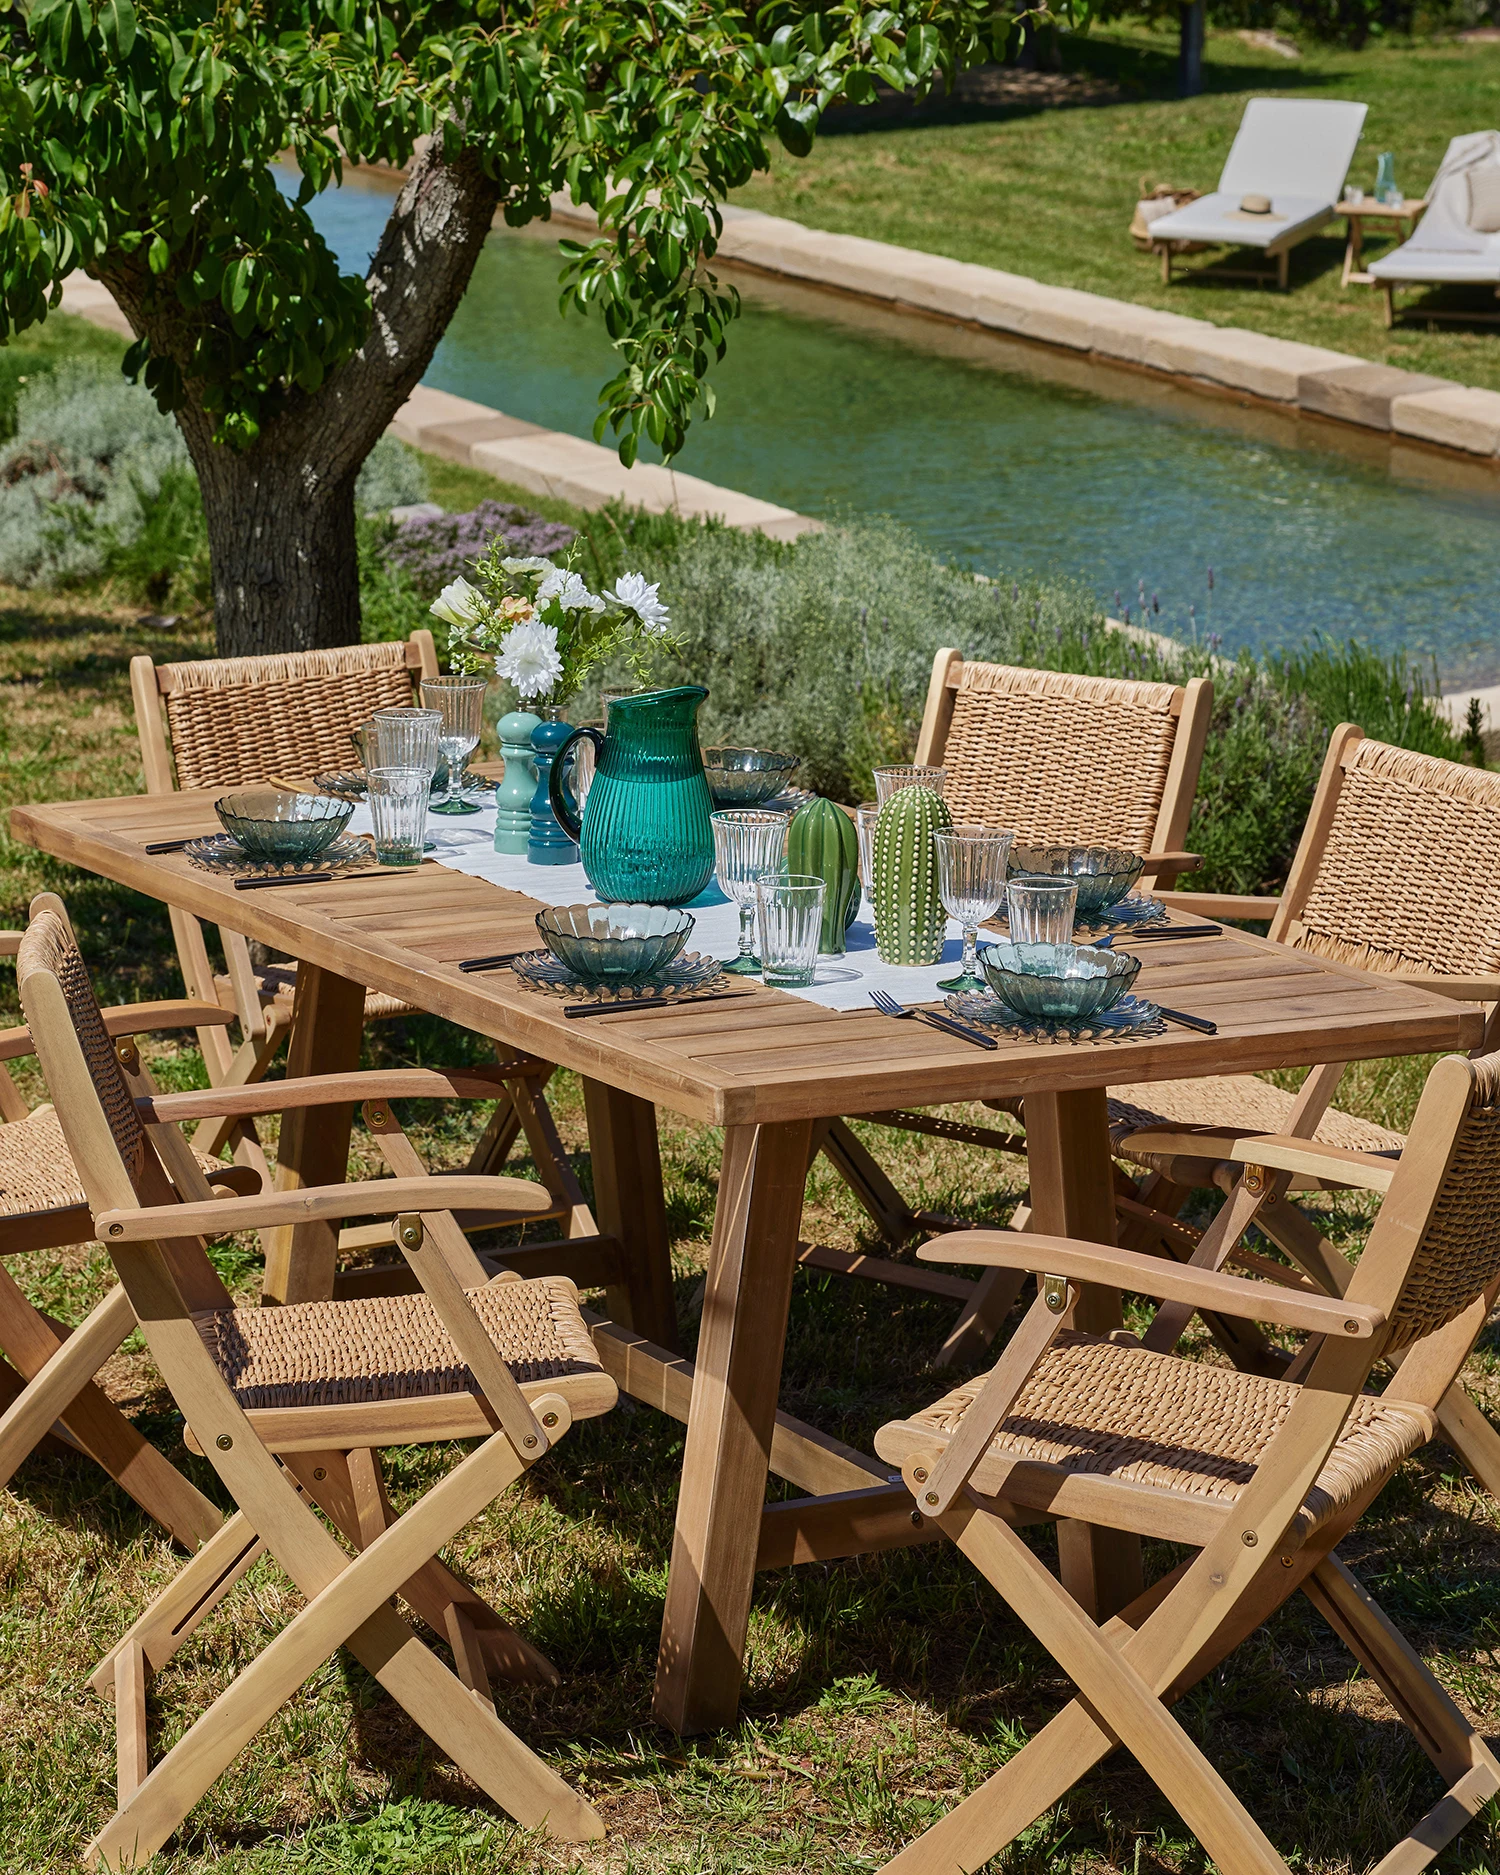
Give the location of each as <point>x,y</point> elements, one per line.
<point>1329,384</point>
<point>543,462</point>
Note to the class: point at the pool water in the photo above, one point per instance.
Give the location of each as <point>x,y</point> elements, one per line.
<point>1238,521</point>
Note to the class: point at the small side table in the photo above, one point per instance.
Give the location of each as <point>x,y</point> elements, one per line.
<point>1357,214</point>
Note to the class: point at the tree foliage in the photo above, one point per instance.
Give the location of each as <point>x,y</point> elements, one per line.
<point>140,136</point>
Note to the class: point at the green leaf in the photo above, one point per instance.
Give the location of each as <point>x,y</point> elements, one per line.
<point>159,255</point>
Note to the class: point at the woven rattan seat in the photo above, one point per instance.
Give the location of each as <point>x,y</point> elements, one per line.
<point>392,1347</point>
<point>1234,1101</point>
<point>1175,1425</point>
<point>36,1171</point>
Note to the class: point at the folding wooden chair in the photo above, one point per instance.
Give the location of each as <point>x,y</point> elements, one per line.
<point>1396,873</point>
<point>232,722</point>
<point>1054,758</point>
<point>48,1397</point>
<point>286,1403</point>
<point>1263,1477</point>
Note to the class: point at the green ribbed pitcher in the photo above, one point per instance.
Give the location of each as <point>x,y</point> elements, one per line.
<point>646,836</point>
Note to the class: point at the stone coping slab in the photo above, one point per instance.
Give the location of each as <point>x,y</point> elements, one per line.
<point>1308,377</point>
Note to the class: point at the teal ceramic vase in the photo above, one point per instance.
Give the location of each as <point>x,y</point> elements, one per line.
<point>646,837</point>
<point>550,843</point>
<point>514,794</point>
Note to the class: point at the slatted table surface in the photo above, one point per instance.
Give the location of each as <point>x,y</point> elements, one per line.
<point>768,1068</point>
<point>772,1056</point>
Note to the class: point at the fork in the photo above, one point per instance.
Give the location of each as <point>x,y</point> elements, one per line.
<point>888,1006</point>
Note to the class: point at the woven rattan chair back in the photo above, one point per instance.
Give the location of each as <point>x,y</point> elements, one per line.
<point>234,721</point>
<point>1061,758</point>
<point>1408,874</point>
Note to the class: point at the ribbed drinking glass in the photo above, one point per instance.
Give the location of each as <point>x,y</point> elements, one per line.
<point>789,913</point>
<point>459,701</point>
<point>748,841</point>
<point>403,738</point>
<point>1041,912</point>
<point>398,810</point>
<point>971,884</point>
<point>911,775</point>
<point>865,816</point>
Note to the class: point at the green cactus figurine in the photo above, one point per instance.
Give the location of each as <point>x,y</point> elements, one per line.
<point>910,923</point>
<point>822,841</point>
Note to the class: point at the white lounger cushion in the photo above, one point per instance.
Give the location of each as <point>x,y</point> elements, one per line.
<point>1295,150</point>
<point>1444,246</point>
<point>1219,217</point>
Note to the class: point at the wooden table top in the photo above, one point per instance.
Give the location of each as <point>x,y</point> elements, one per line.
<point>772,1056</point>
<point>1371,210</point>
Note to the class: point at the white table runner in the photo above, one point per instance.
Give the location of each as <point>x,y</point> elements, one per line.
<point>467,845</point>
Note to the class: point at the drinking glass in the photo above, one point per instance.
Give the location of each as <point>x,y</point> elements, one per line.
<point>748,841</point>
<point>789,911</point>
<point>1042,913</point>
<point>912,775</point>
<point>971,883</point>
<point>865,816</point>
<point>459,701</point>
<point>398,808</point>
<point>403,738</point>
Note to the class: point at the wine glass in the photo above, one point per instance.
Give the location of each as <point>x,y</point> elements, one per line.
<point>865,816</point>
<point>748,843</point>
<point>971,884</point>
<point>460,703</point>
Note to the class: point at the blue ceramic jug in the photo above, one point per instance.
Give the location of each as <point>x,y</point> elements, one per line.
<point>646,835</point>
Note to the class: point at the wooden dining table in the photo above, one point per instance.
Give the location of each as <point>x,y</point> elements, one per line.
<point>769,1068</point>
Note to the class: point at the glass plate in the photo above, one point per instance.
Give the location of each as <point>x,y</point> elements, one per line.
<point>1128,1020</point>
<point>1129,915</point>
<point>787,802</point>
<point>218,852</point>
<point>349,785</point>
<point>684,976</point>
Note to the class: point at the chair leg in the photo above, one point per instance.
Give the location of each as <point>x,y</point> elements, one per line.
<point>349,1604</point>
<point>350,1488</point>
<point>248,1065</point>
<point>892,1215</point>
<point>52,1361</point>
<point>187,1600</point>
<point>1127,1703</point>
<point>981,1317</point>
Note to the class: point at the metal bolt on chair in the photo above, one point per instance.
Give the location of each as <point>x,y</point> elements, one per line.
<point>287,1405</point>
<point>1262,1477</point>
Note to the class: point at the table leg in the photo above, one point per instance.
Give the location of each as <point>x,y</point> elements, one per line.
<point>1072,1195</point>
<point>735,1385</point>
<point>630,1206</point>
<point>327,1026</point>
<point>1354,249</point>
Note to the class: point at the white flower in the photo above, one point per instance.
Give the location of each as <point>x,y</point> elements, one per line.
<point>528,658</point>
<point>531,563</point>
<point>568,590</point>
<point>638,595</point>
<point>460,605</point>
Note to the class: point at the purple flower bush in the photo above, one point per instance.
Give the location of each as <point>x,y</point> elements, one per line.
<point>432,553</point>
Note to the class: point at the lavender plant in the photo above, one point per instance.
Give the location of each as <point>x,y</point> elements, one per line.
<point>436,552</point>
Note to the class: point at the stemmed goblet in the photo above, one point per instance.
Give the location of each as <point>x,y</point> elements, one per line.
<point>971,884</point>
<point>460,703</point>
<point>748,843</point>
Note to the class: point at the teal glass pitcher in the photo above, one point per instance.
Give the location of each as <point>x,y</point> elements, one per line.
<point>646,835</point>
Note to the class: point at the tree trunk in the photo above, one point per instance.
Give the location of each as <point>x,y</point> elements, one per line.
<point>281,514</point>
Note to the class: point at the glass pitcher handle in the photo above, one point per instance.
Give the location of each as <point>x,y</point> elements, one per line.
<point>561,806</point>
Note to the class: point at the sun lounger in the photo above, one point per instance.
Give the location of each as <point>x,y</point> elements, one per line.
<point>1452,246</point>
<point>1291,153</point>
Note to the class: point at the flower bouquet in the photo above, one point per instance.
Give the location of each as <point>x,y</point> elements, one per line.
<point>543,627</point>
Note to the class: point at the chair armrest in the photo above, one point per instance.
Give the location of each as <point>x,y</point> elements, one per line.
<point>1461,989</point>
<point>1221,904</point>
<point>241,1180</point>
<point>132,1019</point>
<point>1172,862</point>
<point>1155,1276</point>
<point>1281,1152</point>
<point>376,1197</point>
<point>331,1090</point>
<point>10,942</point>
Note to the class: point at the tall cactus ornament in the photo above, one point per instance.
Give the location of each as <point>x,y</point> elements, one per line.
<point>910,923</point>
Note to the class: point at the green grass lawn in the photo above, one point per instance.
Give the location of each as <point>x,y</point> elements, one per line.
<point>1049,192</point>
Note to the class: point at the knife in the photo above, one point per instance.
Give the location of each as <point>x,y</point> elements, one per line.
<point>1201,1023</point>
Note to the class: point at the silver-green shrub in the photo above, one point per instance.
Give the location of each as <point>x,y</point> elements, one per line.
<point>89,458</point>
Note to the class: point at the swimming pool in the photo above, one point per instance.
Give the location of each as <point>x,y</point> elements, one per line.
<point>1007,456</point>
